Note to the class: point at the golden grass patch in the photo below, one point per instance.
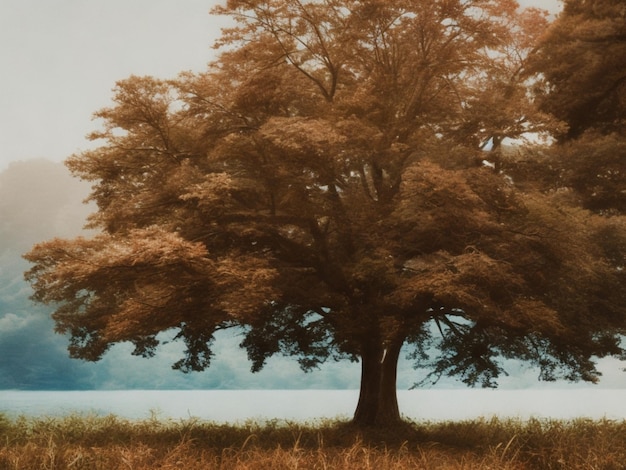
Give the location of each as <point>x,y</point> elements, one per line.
<point>92,442</point>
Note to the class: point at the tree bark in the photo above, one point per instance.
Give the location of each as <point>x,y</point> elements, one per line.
<point>378,401</point>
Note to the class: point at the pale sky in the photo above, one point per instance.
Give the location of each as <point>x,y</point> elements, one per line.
<point>59,60</point>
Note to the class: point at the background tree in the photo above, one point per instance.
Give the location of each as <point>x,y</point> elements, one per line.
<point>321,187</point>
<point>582,59</point>
<point>580,73</point>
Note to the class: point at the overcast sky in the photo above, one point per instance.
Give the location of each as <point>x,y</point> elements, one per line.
<point>61,58</point>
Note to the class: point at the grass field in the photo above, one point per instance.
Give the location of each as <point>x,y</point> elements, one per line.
<point>91,442</point>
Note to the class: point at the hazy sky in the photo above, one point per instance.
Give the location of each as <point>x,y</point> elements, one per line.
<point>61,58</point>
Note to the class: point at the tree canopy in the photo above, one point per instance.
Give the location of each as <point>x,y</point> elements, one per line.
<point>322,186</point>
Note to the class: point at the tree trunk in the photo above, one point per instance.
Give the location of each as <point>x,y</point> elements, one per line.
<point>378,401</point>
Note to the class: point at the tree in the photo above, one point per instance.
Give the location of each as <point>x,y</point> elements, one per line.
<point>580,77</point>
<point>581,60</point>
<point>321,186</point>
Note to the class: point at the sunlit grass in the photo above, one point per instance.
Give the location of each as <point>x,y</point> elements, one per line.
<point>93,442</point>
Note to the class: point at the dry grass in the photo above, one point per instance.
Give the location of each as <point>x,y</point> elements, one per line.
<point>91,442</point>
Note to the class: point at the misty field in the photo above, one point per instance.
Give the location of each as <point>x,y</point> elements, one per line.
<point>91,442</point>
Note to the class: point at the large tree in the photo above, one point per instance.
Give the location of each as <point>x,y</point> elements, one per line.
<point>321,187</point>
